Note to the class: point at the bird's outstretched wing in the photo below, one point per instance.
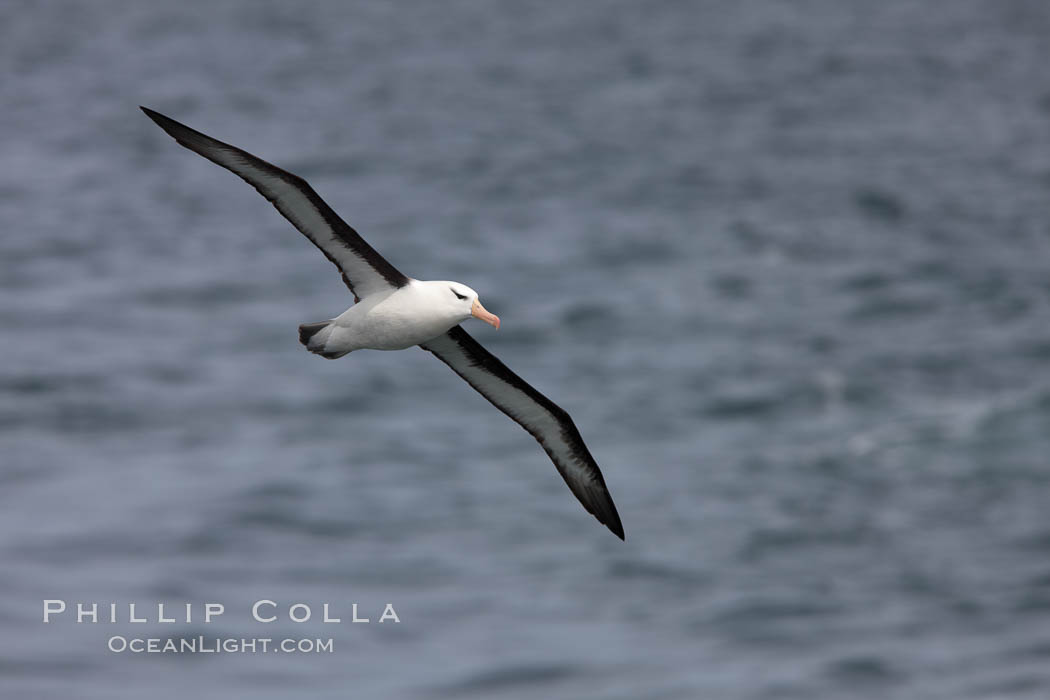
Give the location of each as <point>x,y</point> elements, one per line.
<point>364,270</point>
<point>541,417</point>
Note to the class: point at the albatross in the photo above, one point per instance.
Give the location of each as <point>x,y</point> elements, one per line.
<point>392,311</point>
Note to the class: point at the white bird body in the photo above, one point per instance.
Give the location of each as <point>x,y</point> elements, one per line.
<point>395,320</point>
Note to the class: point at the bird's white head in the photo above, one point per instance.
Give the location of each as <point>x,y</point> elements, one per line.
<point>460,302</point>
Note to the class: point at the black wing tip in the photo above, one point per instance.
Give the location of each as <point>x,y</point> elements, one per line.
<point>173,128</point>
<point>155,116</point>
<point>599,503</point>
<point>611,519</point>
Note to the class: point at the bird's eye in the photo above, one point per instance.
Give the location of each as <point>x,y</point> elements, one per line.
<point>458,295</point>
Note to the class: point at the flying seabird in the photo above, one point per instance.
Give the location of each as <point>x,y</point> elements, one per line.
<point>393,312</point>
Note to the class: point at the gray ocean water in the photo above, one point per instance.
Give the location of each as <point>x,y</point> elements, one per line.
<point>786,264</point>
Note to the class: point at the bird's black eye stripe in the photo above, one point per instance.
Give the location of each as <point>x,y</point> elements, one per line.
<point>458,295</point>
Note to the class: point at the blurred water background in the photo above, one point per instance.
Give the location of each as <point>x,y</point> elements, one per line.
<point>785,264</point>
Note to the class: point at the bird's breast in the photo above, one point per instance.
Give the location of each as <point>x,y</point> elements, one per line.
<point>393,324</point>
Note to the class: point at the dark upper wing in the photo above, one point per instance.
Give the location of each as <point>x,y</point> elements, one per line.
<point>364,270</point>
<point>544,419</point>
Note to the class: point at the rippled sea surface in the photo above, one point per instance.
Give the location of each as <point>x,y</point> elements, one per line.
<point>786,264</point>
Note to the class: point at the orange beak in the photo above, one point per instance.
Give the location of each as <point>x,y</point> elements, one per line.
<point>478,311</point>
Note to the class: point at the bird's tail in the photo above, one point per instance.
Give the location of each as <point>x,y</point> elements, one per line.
<point>315,337</point>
